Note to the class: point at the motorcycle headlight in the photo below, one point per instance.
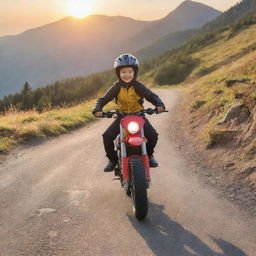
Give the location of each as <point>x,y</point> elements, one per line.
<point>133,127</point>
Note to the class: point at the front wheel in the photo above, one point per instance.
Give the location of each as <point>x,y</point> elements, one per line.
<point>138,188</point>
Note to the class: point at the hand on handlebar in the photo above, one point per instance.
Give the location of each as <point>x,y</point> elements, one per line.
<point>98,114</point>
<point>160,109</point>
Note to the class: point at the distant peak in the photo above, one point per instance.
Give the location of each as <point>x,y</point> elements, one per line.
<point>192,4</point>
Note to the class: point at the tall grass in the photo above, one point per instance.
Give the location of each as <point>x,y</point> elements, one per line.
<point>17,127</point>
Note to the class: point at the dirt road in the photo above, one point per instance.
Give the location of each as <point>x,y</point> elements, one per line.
<point>56,200</point>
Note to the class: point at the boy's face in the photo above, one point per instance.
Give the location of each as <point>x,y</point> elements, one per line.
<point>127,74</point>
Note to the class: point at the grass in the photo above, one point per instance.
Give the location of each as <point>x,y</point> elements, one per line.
<point>7,144</point>
<point>208,97</point>
<point>251,154</point>
<point>18,127</point>
<point>198,104</point>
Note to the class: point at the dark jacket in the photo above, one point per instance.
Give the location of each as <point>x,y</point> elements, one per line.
<point>139,88</point>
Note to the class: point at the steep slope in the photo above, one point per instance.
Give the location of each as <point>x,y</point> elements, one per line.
<point>173,40</point>
<point>240,10</point>
<point>219,109</point>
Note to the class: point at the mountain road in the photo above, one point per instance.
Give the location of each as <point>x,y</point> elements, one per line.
<point>55,199</point>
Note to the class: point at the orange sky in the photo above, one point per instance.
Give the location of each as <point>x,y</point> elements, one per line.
<point>20,15</point>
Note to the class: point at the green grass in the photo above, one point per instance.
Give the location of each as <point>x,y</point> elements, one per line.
<point>6,144</point>
<point>17,127</point>
<point>230,57</point>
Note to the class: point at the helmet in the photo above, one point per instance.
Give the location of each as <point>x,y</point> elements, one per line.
<point>126,60</point>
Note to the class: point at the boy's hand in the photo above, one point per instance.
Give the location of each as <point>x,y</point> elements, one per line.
<point>160,109</point>
<point>98,114</point>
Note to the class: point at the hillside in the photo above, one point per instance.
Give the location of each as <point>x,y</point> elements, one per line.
<point>176,39</point>
<point>72,47</point>
<point>219,108</point>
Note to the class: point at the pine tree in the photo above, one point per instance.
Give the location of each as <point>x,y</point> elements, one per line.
<point>27,97</point>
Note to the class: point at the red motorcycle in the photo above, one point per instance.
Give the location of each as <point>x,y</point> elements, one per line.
<point>133,163</point>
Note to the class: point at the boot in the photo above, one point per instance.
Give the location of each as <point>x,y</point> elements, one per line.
<point>110,166</point>
<point>152,162</point>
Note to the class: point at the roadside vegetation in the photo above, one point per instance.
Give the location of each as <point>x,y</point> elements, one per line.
<point>219,107</point>
<point>61,93</point>
<point>19,127</point>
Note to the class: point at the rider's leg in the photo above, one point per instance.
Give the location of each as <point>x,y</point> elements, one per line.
<point>152,136</point>
<point>108,139</point>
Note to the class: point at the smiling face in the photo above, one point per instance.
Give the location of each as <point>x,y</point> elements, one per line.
<point>127,74</point>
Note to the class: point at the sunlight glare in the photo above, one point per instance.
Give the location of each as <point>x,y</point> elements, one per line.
<point>80,8</point>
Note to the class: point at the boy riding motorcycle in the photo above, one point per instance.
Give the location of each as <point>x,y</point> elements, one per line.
<point>129,94</point>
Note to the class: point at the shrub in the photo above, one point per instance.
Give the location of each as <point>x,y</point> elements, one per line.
<point>6,144</point>
<point>198,104</point>
<point>220,137</point>
<point>176,70</point>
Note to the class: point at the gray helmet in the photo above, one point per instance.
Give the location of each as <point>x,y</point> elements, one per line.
<point>126,60</point>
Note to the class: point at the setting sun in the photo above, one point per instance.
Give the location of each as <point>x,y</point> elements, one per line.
<point>79,8</point>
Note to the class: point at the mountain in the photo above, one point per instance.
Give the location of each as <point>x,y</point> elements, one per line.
<point>188,15</point>
<point>240,10</point>
<point>175,39</point>
<point>65,48</point>
<point>71,47</point>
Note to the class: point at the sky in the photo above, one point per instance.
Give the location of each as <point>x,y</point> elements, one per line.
<point>17,16</point>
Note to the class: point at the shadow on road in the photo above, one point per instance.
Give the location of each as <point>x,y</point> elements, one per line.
<point>166,237</point>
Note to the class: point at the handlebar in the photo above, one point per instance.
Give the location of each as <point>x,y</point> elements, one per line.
<point>119,114</point>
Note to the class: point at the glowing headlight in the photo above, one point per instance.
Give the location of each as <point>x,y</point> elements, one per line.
<point>133,127</point>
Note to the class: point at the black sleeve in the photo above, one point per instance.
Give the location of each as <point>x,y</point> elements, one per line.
<point>109,95</point>
<point>146,93</point>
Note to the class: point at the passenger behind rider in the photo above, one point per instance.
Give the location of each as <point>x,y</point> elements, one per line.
<point>129,95</point>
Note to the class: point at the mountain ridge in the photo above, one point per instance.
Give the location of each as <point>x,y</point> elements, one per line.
<point>68,48</point>
<point>173,40</point>
<point>189,9</point>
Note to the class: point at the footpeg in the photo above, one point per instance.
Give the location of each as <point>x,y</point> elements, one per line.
<point>117,178</point>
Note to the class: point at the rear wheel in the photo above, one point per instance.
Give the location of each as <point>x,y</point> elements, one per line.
<point>138,187</point>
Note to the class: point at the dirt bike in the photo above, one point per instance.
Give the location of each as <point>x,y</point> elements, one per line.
<point>133,163</point>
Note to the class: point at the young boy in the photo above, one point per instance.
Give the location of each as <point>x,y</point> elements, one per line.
<point>129,95</point>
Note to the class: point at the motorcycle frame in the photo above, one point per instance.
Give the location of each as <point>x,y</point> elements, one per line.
<point>126,159</point>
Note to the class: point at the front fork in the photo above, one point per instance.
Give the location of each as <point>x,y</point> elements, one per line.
<point>125,159</point>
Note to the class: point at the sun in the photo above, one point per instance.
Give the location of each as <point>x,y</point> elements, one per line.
<point>80,8</point>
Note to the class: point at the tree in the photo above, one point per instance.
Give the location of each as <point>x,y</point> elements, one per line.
<point>27,97</point>
<point>43,103</point>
